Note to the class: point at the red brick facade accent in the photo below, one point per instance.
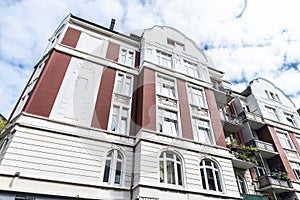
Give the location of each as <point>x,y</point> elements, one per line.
<point>186,123</point>
<point>113,51</point>
<point>71,37</point>
<point>215,118</point>
<point>149,95</point>
<point>104,98</point>
<point>296,144</point>
<point>47,87</point>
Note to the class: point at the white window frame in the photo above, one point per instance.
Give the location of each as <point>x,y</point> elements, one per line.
<point>289,118</point>
<point>242,184</point>
<point>214,167</point>
<point>162,113</point>
<point>199,123</point>
<point>192,96</point>
<point>163,168</point>
<point>285,140</point>
<point>120,118</point>
<point>296,169</point>
<point>162,84</point>
<point>125,58</point>
<point>191,67</point>
<point>114,159</point>
<point>162,56</point>
<point>272,115</point>
<point>120,87</point>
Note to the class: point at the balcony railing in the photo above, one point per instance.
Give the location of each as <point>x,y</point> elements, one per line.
<point>232,123</point>
<point>266,149</point>
<point>256,121</point>
<point>272,181</point>
<point>253,197</point>
<point>244,156</point>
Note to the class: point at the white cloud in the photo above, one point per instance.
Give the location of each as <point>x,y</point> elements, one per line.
<point>264,39</point>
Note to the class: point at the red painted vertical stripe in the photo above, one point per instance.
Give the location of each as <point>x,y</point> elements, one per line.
<point>47,87</point>
<point>296,144</point>
<point>149,107</point>
<point>113,51</point>
<point>134,107</point>
<point>102,108</point>
<point>215,118</point>
<point>281,152</point>
<point>71,37</point>
<point>186,123</point>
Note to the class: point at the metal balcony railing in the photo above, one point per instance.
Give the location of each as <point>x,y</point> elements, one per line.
<point>268,180</point>
<point>262,145</point>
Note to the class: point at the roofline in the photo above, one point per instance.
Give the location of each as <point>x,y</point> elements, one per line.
<point>102,27</point>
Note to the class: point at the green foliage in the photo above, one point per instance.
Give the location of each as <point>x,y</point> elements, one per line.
<point>2,124</point>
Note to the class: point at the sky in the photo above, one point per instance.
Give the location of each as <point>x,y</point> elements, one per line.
<point>245,39</point>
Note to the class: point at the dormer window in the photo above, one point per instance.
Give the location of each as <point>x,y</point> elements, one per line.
<point>176,44</point>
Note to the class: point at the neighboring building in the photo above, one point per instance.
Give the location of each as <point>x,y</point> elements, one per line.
<point>110,116</point>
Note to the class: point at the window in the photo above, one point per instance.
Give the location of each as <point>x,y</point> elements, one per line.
<point>124,84</point>
<point>272,113</point>
<point>164,59</point>
<point>210,175</point>
<point>202,131</point>
<point>170,168</point>
<point>290,119</point>
<point>120,119</point>
<point>285,140</point>
<point>167,122</point>
<point>296,169</point>
<point>191,69</point>
<point>241,184</point>
<point>196,97</point>
<point>127,57</point>
<point>165,87</point>
<point>259,169</point>
<point>113,167</point>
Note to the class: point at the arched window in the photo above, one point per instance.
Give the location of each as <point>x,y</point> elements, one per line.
<point>170,168</point>
<point>241,184</point>
<point>113,167</point>
<point>210,176</point>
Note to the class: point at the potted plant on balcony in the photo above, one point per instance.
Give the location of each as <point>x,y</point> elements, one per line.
<point>277,174</point>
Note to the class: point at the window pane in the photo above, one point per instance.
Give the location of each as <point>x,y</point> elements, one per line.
<point>106,171</point>
<point>170,172</point>
<point>118,172</point>
<point>114,121</point>
<point>218,181</point>
<point>203,178</point>
<point>179,174</point>
<point>161,171</point>
<point>210,180</point>
<point>127,86</point>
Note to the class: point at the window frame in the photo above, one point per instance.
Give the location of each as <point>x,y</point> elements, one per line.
<point>219,187</point>
<point>161,82</point>
<point>160,55</point>
<point>284,139</point>
<point>123,84</point>
<point>242,187</point>
<point>163,116</point>
<point>162,159</point>
<point>119,119</point>
<point>125,62</point>
<point>289,118</point>
<point>296,169</point>
<point>190,65</point>
<point>274,113</point>
<point>113,168</point>
<point>192,96</point>
<point>208,129</point>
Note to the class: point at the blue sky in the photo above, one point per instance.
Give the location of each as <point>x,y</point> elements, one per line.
<point>245,39</point>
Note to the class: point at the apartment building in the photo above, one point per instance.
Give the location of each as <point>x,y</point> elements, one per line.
<point>144,116</point>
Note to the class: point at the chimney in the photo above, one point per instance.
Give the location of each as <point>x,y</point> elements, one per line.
<point>112,24</point>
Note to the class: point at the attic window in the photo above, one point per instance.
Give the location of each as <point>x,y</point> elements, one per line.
<point>176,44</point>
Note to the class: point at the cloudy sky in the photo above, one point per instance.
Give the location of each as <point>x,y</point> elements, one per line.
<point>245,39</point>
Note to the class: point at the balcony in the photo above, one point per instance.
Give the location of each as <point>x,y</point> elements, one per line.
<point>266,149</point>
<point>274,183</point>
<point>232,123</point>
<point>222,94</point>
<point>253,197</point>
<point>255,121</point>
<point>243,156</point>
